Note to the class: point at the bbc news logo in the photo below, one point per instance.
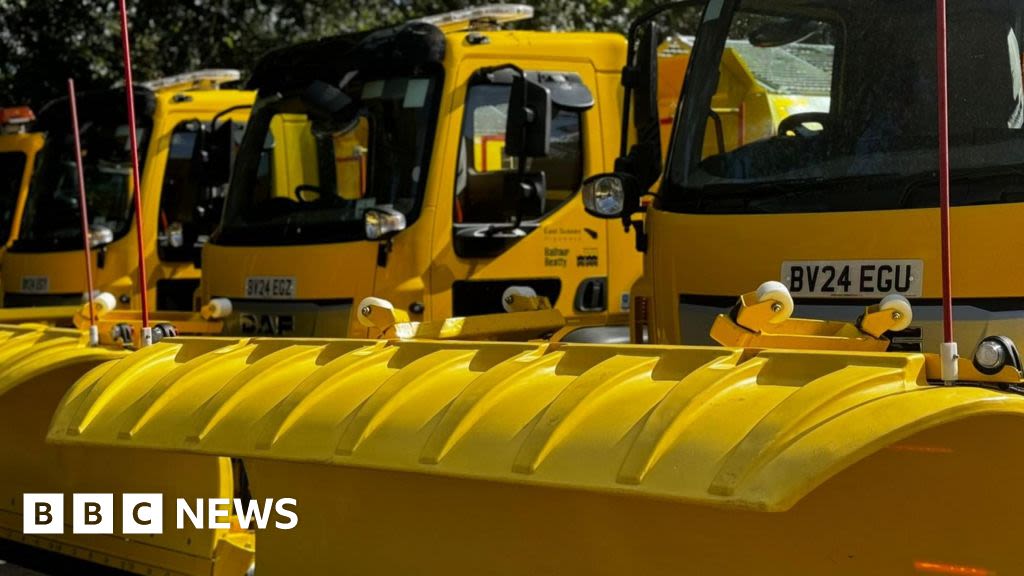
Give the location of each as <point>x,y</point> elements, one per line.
<point>144,513</point>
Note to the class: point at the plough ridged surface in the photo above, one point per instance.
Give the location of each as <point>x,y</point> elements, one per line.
<point>712,425</point>
<point>26,350</point>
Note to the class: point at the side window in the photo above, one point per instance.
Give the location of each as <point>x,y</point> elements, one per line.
<point>480,196</point>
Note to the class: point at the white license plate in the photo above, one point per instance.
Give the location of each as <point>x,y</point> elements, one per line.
<point>270,287</point>
<point>854,278</point>
<point>35,284</point>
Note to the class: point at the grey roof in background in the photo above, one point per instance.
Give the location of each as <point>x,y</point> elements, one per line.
<point>804,69</point>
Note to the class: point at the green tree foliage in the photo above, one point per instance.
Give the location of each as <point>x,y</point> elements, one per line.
<point>43,42</point>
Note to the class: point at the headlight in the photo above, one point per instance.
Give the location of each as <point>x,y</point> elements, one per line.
<point>100,236</point>
<point>382,222</point>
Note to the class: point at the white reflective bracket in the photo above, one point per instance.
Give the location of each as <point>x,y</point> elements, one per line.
<point>949,358</point>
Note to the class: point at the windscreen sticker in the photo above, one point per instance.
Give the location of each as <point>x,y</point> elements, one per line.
<point>714,10</point>
<point>416,93</point>
<point>373,89</point>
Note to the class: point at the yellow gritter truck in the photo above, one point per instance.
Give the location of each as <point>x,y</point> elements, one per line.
<point>839,200</point>
<point>18,149</point>
<point>182,181</point>
<point>376,164</point>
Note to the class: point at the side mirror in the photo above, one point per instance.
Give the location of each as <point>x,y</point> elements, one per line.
<point>217,146</point>
<point>613,195</point>
<point>382,223</point>
<point>527,135</point>
<point>528,124</point>
<point>641,76</point>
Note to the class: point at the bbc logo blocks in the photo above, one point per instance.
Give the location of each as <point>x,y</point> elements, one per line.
<point>93,514</point>
<point>43,514</point>
<point>144,513</point>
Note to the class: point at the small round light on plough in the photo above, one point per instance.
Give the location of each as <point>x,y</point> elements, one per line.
<point>994,353</point>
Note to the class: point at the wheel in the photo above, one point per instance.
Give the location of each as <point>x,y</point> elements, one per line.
<point>366,308</point>
<point>513,292</point>
<point>778,293</point>
<point>898,304</point>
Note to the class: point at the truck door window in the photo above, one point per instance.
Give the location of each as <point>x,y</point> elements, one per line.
<point>479,185</point>
<point>12,169</point>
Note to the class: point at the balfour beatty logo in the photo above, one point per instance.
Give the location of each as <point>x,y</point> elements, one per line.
<point>144,513</point>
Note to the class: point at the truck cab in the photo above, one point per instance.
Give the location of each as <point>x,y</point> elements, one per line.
<point>185,127</point>
<point>839,199</point>
<point>375,164</point>
<point>18,149</point>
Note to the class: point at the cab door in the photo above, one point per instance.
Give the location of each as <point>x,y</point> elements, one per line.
<point>558,250</point>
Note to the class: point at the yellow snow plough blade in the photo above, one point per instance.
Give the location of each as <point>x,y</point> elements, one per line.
<point>37,367</point>
<point>541,458</point>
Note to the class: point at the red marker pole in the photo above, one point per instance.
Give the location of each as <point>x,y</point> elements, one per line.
<point>949,351</point>
<point>147,332</point>
<point>94,333</point>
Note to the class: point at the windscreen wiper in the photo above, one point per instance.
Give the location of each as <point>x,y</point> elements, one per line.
<point>962,176</point>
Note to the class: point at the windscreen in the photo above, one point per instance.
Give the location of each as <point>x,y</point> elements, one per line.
<point>314,160</point>
<point>12,170</point>
<point>828,105</point>
<point>52,220</point>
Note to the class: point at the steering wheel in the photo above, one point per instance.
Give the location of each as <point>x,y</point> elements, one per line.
<point>307,188</point>
<point>797,124</point>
